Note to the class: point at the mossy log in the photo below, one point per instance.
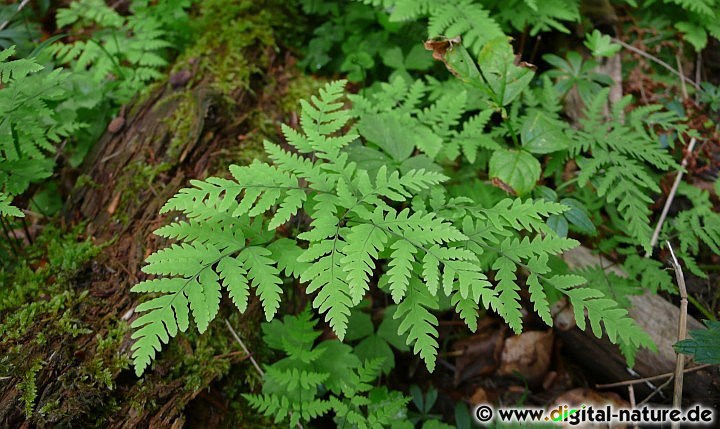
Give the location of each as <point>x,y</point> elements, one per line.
<point>219,97</point>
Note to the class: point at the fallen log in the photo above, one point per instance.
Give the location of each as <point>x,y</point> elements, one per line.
<point>659,318</point>
<point>209,112</point>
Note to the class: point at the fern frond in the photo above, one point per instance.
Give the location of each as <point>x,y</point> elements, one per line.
<point>418,322</point>
<point>264,276</point>
<point>6,209</point>
<point>464,18</point>
<point>618,325</point>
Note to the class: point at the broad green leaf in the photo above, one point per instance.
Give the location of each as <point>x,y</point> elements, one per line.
<point>388,133</point>
<point>359,326</point>
<point>577,216</point>
<point>516,169</point>
<point>497,65</point>
<point>374,347</point>
<point>559,224</point>
<point>388,330</point>
<point>540,134</point>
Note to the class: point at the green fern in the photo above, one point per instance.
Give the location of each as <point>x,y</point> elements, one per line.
<point>479,22</point>
<point>131,49</point>
<point>397,220</point>
<point>619,156</point>
<point>8,210</point>
<point>293,386</point>
<point>34,119</point>
<point>598,308</point>
<point>699,225</point>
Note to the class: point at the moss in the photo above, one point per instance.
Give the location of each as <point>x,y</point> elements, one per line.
<point>139,178</point>
<point>226,30</point>
<point>53,259</point>
<point>183,121</point>
<point>28,388</point>
<point>301,87</point>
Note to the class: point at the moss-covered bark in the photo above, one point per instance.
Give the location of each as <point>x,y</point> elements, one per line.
<point>64,353</point>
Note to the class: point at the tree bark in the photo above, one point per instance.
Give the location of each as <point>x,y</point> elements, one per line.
<point>142,160</point>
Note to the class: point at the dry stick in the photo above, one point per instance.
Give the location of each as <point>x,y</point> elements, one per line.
<point>698,74</point>
<point>682,77</point>
<point>655,392</point>
<point>245,349</point>
<point>682,332</point>
<point>671,196</point>
<point>20,7</point>
<point>655,59</point>
<point>646,379</point>
<point>252,359</point>
<point>631,395</point>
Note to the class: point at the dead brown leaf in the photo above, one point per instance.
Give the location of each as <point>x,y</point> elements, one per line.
<point>528,354</point>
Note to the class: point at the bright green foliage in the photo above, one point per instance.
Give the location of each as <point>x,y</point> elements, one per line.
<point>394,123</point>
<point>479,22</point>
<point>129,48</point>
<point>374,344</point>
<point>696,20</point>
<point>695,226</point>
<point>6,209</point>
<point>704,345</point>
<point>35,117</point>
<point>575,72</point>
<point>361,219</point>
<point>293,388</point>
<point>617,156</point>
<point>535,15</point>
<point>619,327</point>
<point>601,45</point>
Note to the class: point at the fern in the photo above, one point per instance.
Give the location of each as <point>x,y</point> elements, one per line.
<point>479,22</point>
<point>6,209</point>
<point>598,308</point>
<point>620,159</point>
<point>699,225</point>
<point>293,386</point>
<point>395,219</point>
<point>131,49</point>
<point>34,119</point>
<point>547,15</point>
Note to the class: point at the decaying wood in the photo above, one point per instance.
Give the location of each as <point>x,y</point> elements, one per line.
<point>659,318</point>
<point>122,210</point>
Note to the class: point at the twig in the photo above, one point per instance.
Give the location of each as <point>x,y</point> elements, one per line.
<point>682,332</point>
<point>655,59</point>
<point>252,359</point>
<point>631,395</point>
<point>671,196</point>
<point>655,392</point>
<point>19,9</point>
<point>682,77</point>
<point>245,349</point>
<point>646,379</point>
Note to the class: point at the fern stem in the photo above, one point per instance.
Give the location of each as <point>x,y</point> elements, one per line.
<point>110,56</point>
<point>701,308</point>
<point>12,242</point>
<point>669,200</point>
